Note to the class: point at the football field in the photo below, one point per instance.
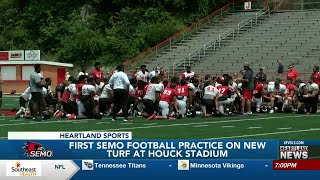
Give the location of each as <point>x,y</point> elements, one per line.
<point>258,126</point>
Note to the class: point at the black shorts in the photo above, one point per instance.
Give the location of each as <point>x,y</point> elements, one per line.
<point>22,102</point>
<point>37,97</point>
<point>149,106</point>
<point>70,107</point>
<point>209,104</point>
<point>265,100</point>
<point>1,94</point>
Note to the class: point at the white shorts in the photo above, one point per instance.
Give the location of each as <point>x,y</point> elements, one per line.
<point>182,105</point>
<point>164,106</point>
<point>81,108</point>
<point>228,101</point>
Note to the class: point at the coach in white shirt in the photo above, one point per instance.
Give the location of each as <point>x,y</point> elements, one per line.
<point>120,83</point>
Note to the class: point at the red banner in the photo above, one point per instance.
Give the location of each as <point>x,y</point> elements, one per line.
<point>4,55</point>
<point>296,165</point>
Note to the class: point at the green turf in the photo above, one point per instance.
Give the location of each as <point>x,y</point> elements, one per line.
<point>259,126</point>
<point>239,127</point>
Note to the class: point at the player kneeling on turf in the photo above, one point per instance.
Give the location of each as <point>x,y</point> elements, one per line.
<point>311,101</point>
<point>182,97</point>
<point>167,98</point>
<point>210,100</point>
<point>225,99</point>
<point>278,95</point>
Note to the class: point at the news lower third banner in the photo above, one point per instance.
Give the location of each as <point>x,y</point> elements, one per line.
<point>84,155</point>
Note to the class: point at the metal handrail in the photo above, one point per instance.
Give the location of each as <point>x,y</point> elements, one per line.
<point>261,13</point>
<point>244,23</point>
<point>225,34</point>
<point>178,63</point>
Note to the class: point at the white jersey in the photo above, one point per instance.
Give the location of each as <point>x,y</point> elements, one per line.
<point>151,92</point>
<point>192,87</point>
<point>73,90</point>
<point>82,73</point>
<point>234,86</point>
<point>100,86</point>
<point>210,92</point>
<point>313,87</point>
<point>281,91</point>
<point>88,89</point>
<point>188,75</point>
<point>27,94</point>
<point>154,74</point>
<point>142,76</point>
<point>106,92</point>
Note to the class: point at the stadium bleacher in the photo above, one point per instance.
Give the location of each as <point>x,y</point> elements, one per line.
<point>291,37</point>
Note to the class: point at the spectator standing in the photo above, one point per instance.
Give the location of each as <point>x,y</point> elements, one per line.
<point>120,84</point>
<point>261,76</point>
<point>36,89</point>
<point>248,87</point>
<point>97,72</point>
<point>292,73</point>
<point>280,69</point>
<point>316,75</point>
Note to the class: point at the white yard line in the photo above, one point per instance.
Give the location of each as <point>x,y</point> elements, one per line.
<point>165,125</point>
<point>47,122</point>
<point>207,122</point>
<point>103,122</point>
<point>198,126</point>
<point>77,122</point>
<point>125,123</point>
<point>254,127</point>
<point>266,134</point>
<point>287,128</point>
<point>227,126</point>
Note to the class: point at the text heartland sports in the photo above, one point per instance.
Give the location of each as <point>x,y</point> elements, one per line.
<point>294,152</point>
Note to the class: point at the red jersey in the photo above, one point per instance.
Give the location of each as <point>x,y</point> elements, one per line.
<point>183,90</point>
<point>293,74</point>
<point>224,90</point>
<point>316,78</point>
<point>290,87</point>
<point>168,95</point>
<point>258,90</point>
<point>97,74</point>
<point>65,96</point>
<point>79,89</point>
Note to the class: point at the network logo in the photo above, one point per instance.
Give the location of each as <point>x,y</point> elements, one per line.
<point>87,165</point>
<point>183,165</point>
